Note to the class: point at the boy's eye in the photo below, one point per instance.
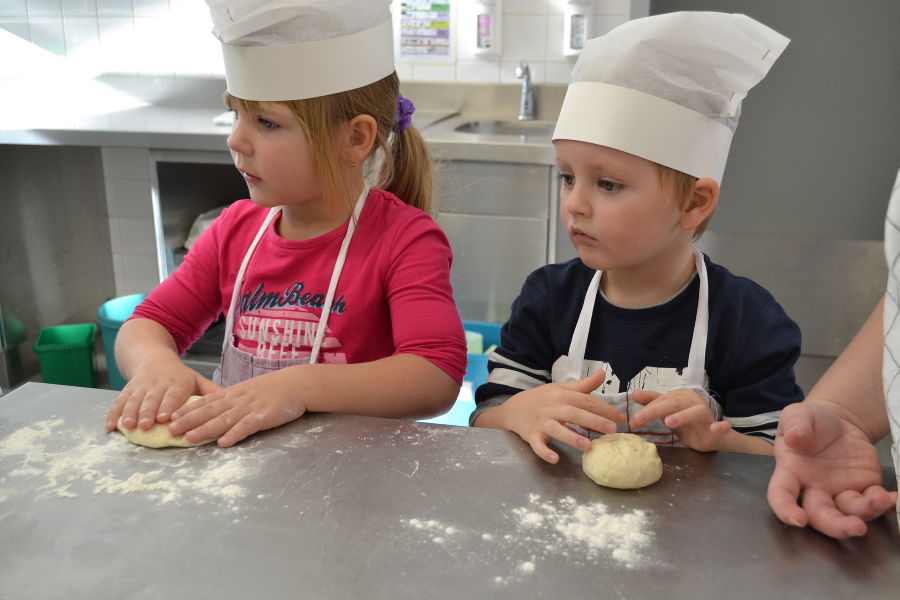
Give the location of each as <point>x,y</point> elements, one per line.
<point>566,178</point>
<point>609,186</point>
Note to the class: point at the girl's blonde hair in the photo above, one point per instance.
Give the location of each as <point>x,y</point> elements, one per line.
<point>405,166</point>
<point>681,186</point>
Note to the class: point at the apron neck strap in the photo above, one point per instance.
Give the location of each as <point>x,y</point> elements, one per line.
<point>336,274</point>
<point>332,285</point>
<point>236,292</point>
<point>694,373</point>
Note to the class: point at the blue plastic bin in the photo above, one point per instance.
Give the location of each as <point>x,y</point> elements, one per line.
<point>111,316</point>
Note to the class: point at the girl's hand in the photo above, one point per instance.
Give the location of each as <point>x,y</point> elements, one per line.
<point>153,393</point>
<point>686,413</point>
<point>539,414</point>
<point>235,412</point>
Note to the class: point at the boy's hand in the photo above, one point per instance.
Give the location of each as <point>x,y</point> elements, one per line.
<point>152,394</point>
<point>539,414</point>
<point>686,413</point>
<point>233,413</point>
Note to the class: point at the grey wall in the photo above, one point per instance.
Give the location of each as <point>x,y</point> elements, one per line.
<point>818,145</point>
<point>55,262</point>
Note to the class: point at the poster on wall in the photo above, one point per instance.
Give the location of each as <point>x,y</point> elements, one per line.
<point>424,31</point>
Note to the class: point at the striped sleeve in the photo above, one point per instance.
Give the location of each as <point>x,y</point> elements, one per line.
<point>526,354</point>
<point>762,379</point>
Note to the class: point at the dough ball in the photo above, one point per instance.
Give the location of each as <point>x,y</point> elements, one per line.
<point>622,460</point>
<point>158,436</point>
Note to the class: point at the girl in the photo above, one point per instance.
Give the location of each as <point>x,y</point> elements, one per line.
<point>337,295</point>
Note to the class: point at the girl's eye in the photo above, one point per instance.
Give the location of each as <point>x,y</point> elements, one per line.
<point>266,123</point>
<point>609,186</point>
<point>567,179</point>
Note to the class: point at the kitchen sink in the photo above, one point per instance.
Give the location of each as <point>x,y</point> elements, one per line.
<point>512,128</point>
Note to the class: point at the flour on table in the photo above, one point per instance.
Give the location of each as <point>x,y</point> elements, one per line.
<point>526,535</point>
<point>77,464</point>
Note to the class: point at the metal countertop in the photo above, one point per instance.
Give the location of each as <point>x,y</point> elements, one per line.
<point>336,506</point>
<point>192,128</point>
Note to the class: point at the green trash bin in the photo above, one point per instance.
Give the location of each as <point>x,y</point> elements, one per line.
<point>66,354</point>
<point>112,315</point>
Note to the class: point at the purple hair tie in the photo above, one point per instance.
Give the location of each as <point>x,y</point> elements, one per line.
<point>403,114</point>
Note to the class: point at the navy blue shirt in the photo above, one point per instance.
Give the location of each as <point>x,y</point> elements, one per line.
<point>752,345</point>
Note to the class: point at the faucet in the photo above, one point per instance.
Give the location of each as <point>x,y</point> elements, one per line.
<point>526,101</point>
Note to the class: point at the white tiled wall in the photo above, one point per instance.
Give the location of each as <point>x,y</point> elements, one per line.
<point>172,37</point>
<point>127,177</point>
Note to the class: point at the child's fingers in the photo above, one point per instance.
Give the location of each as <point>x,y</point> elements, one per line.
<point>559,432</point>
<point>592,405</point>
<point>644,397</point>
<point>539,446</point>
<point>696,413</point>
<point>206,386</point>
<point>665,405</point>
<point>188,418</point>
<point>184,408</point>
<point>246,426</point>
<point>588,384</point>
<point>148,409</point>
<point>135,410</point>
<point>174,398</point>
<point>112,417</point>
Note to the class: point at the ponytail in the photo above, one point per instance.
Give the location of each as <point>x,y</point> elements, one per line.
<point>408,176</point>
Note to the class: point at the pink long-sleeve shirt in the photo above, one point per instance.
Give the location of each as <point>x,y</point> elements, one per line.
<point>393,295</point>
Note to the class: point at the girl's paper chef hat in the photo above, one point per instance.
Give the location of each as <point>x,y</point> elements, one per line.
<point>296,49</point>
<point>668,88</point>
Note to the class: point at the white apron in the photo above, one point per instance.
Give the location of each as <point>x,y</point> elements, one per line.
<point>694,374</point>
<point>238,365</point>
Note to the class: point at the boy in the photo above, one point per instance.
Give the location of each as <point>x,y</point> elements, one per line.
<point>617,339</point>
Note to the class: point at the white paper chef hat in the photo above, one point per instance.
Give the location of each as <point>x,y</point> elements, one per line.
<point>668,87</point>
<point>296,49</point>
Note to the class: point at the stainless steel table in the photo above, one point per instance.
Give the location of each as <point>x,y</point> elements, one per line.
<point>334,506</point>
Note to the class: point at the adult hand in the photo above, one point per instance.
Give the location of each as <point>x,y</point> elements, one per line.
<point>685,412</point>
<point>827,474</point>
<point>540,414</point>
<point>233,413</point>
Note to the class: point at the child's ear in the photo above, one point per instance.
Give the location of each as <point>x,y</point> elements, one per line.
<point>359,137</point>
<point>701,204</point>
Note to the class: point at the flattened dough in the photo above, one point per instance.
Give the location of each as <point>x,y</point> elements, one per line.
<point>622,460</point>
<point>158,436</point>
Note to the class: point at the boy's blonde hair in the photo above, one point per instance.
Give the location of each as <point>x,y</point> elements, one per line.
<point>405,168</point>
<point>681,186</point>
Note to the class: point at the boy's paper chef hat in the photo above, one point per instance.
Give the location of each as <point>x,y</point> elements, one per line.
<point>296,49</point>
<point>668,88</point>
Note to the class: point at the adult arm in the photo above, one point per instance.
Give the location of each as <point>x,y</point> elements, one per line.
<point>827,474</point>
